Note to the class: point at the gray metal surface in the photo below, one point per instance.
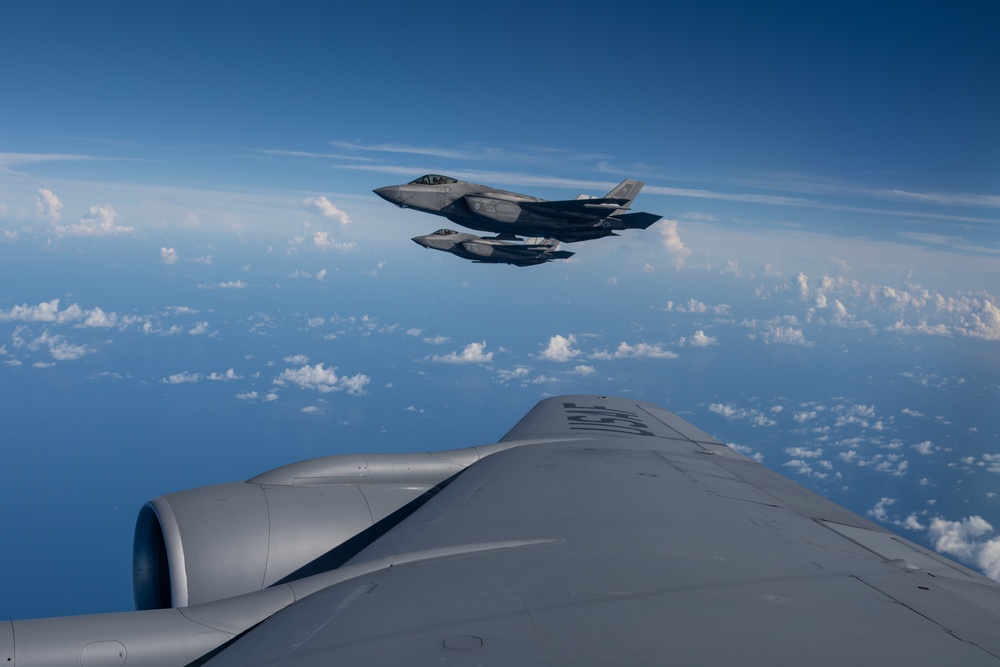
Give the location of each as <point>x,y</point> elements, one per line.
<point>652,548</point>
<point>489,209</point>
<point>493,250</point>
<point>597,531</point>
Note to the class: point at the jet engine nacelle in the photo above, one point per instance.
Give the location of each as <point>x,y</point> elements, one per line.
<point>218,541</point>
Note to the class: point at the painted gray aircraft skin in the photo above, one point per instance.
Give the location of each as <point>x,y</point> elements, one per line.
<point>487,209</point>
<point>598,531</point>
<point>493,250</point>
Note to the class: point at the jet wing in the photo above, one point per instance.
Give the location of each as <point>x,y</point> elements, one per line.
<point>610,531</point>
<point>597,207</point>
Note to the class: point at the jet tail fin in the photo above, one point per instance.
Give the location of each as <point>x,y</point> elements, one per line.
<point>627,190</point>
<point>538,240</point>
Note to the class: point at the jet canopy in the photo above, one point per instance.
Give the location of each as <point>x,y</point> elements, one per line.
<point>444,232</point>
<point>433,179</point>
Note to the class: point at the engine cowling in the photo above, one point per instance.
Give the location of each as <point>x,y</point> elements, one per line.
<point>218,541</point>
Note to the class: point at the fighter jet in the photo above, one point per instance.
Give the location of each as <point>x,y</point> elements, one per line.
<point>488,209</point>
<point>494,250</point>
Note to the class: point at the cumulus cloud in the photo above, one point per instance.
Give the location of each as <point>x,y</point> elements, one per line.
<point>522,375</point>
<point>323,206</point>
<point>323,379</point>
<point>699,339</point>
<point>168,256</point>
<point>583,370</point>
<point>985,324</point>
<point>695,306</point>
<point>232,284</point>
<point>58,346</point>
<point>324,241</point>
<point>46,311</point>
<point>751,415</point>
<point>182,378</point>
<point>99,221</point>
<point>230,374</point>
<point>637,351</point>
<point>473,353</point>
<point>560,348</point>
<point>675,248</point>
<point>781,330</point>
<point>47,205</point>
<point>964,539</point>
<point>801,283</point>
<point>437,340</point>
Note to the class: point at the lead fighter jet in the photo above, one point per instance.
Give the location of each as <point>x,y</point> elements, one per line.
<point>494,250</point>
<point>488,209</point>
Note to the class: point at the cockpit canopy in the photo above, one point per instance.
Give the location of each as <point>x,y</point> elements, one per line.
<point>433,179</point>
<point>444,232</point>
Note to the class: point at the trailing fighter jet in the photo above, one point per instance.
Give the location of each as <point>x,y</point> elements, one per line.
<point>488,209</point>
<point>494,250</point>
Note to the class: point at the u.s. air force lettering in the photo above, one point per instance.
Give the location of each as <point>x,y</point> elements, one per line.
<point>601,418</point>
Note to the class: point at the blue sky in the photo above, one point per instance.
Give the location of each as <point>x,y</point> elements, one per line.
<point>189,245</point>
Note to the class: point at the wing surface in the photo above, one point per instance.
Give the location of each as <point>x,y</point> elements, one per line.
<point>610,531</point>
<point>597,207</point>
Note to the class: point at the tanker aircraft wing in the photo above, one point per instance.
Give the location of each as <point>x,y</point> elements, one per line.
<point>484,208</point>
<point>598,531</point>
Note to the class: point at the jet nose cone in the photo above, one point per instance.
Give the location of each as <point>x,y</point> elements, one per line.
<point>421,241</point>
<point>389,193</point>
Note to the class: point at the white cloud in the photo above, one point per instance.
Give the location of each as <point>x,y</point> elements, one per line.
<point>47,205</point>
<point>322,379</point>
<point>583,370</point>
<point>97,318</point>
<point>804,452</point>
<point>199,329</point>
<point>168,256</point>
<point>695,306</point>
<point>801,282</point>
<point>473,353</point>
<point>181,378</point>
<point>299,359</point>
<point>560,349</point>
<point>699,339</point>
<point>65,351</point>
<point>749,452</point>
<point>58,346</point>
<point>880,511</point>
<point>46,311</point>
<point>984,324</point>
<point>324,241</point>
<point>437,340</point>
<point>780,330</point>
<point>232,284</point>
<point>753,416</point>
<point>100,221</point>
<point>963,539</point>
<point>230,374</point>
<point>323,206</point>
<point>637,351</point>
<point>675,248</point>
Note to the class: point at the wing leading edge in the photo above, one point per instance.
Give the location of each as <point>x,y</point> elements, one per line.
<point>609,531</point>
